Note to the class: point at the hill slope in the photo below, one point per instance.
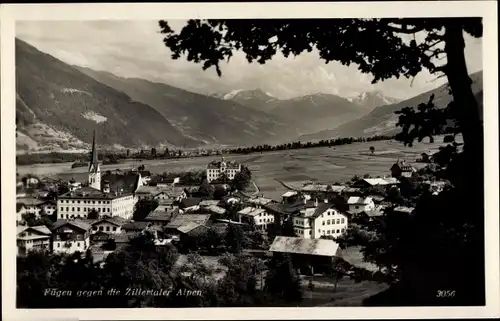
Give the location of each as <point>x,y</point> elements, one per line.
<point>314,112</point>
<point>59,106</point>
<point>382,120</point>
<point>202,117</point>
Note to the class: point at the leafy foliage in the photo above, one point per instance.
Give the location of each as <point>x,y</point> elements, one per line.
<point>143,207</point>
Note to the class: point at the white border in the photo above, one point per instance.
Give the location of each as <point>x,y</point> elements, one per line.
<point>148,11</point>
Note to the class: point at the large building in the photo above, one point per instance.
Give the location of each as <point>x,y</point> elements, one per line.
<point>320,219</point>
<point>115,198</point>
<point>218,170</point>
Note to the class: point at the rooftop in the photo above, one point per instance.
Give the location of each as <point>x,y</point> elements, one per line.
<point>218,164</point>
<point>92,193</point>
<point>404,209</point>
<point>359,200</point>
<point>184,218</point>
<point>289,194</point>
<point>73,222</point>
<point>162,215</point>
<point>29,201</point>
<point>251,211</point>
<point>259,200</point>
<point>40,228</point>
<point>298,245</point>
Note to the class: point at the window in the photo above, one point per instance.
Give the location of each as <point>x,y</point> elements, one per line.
<point>338,221</point>
<point>338,231</point>
<point>77,244</point>
<point>67,209</point>
<point>114,228</point>
<point>78,209</point>
<point>72,209</point>
<point>107,228</point>
<point>93,202</point>
<point>98,202</point>
<point>342,221</point>
<point>58,244</point>
<point>323,222</point>
<point>328,232</point>
<point>94,228</point>
<point>101,228</point>
<point>328,222</point>
<point>78,202</point>
<point>356,207</point>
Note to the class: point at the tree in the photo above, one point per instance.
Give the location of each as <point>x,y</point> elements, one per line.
<point>206,190</point>
<point>242,179</point>
<point>372,149</point>
<point>282,281</point>
<point>93,215</point>
<point>235,238</point>
<point>143,207</point>
<point>219,192</point>
<point>382,50</point>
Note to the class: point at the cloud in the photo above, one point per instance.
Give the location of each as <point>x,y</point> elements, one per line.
<point>135,49</point>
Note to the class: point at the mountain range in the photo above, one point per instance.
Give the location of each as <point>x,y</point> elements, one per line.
<point>58,106</point>
<point>382,120</point>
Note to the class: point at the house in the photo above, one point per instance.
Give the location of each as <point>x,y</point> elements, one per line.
<point>166,182</point>
<point>34,238</point>
<point>402,169</point>
<point>216,170</point>
<point>160,193</point>
<point>139,227</point>
<point>70,236</point>
<point>172,228</point>
<point>289,196</point>
<point>29,205</point>
<point>161,217</point>
<point>73,186</point>
<point>305,253</point>
<point>100,237</point>
<point>359,204</point>
<point>111,225</point>
<point>319,220</point>
<point>259,216</point>
<point>189,204</point>
<point>258,202</point>
<point>30,181</point>
<point>351,191</point>
<point>372,182</point>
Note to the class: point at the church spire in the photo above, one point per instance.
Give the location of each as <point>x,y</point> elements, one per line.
<point>94,161</point>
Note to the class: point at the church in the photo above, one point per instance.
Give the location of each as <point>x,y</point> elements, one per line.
<point>106,197</point>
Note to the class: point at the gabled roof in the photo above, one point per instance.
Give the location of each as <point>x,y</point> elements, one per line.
<point>88,192</point>
<point>163,215</point>
<point>359,200</point>
<point>42,229</point>
<point>190,201</point>
<point>73,222</point>
<point>252,211</point>
<point>115,220</point>
<point>188,226</point>
<point>184,218</point>
<point>135,226</point>
<point>289,194</point>
<point>127,182</point>
<point>298,245</point>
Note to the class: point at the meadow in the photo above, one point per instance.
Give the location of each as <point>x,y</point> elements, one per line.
<point>295,167</point>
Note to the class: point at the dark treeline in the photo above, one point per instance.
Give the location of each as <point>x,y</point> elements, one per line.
<point>298,145</point>
<point>113,157</point>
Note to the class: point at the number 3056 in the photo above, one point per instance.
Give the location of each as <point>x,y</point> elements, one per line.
<point>445,294</point>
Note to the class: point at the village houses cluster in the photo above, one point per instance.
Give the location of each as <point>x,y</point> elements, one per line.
<point>90,216</point>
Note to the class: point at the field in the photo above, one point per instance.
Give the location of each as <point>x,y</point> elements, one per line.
<point>323,164</point>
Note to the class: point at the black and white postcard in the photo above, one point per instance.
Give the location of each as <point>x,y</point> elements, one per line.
<point>250,156</point>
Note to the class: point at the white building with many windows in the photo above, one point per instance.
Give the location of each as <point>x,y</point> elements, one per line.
<point>79,203</point>
<point>322,219</point>
<point>216,170</point>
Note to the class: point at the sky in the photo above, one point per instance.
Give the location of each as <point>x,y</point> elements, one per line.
<point>135,49</point>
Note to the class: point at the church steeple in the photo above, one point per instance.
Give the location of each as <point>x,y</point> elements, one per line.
<point>93,158</point>
<point>94,168</point>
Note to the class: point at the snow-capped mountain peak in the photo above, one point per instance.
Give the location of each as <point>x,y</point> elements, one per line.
<point>231,94</point>
<point>372,99</point>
